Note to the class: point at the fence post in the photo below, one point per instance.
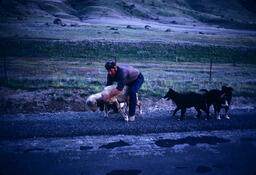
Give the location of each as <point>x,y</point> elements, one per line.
<point>5,78</point>
<point>175,53</point>
<point>210,78</point>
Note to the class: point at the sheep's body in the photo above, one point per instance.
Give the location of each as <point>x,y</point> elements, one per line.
<point>122,97</point>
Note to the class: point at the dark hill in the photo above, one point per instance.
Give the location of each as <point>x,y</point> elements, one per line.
<point>228,13</point>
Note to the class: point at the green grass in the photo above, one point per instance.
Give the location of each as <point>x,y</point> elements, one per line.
<point>159,75</point>
<point>67,94</point>
<point>98,50</point>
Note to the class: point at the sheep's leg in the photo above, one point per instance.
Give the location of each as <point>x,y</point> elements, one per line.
<point>127,107</point>
<point>139,104</point>
<point>122,112</point>
<point>105,111</point>
<point>127,104</point>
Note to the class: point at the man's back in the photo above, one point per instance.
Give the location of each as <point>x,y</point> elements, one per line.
<point>129,73</point>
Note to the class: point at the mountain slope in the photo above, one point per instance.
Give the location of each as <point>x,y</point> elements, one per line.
<point>228,13</point>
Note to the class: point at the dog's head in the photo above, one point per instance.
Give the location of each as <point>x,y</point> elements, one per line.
<point>169,94</point>
<point>228,91</point>
<point>226,95</point>
<point>92,101</point>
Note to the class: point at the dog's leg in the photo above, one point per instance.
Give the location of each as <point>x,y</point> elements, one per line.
<point>198,112</point>
<point>226,107</point>
<point>217,111</point>
<point>218,116</point>
<point>183,110</point>
<point>174,112</point>
<point>207,111</point>
<point>226,112</point>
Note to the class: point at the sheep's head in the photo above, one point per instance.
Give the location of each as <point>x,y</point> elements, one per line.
<point>91,101</point>
<point>92,106</point>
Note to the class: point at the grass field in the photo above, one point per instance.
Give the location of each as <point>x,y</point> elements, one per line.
<point>41,73</point>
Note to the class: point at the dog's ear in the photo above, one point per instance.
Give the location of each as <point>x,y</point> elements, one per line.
<point>223,88</point>
<point>203,90</point>
<point>226,89</point>
<point>171,91</point>
<point>166,95</point>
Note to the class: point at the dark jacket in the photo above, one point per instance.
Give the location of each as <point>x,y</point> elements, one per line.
<point>125,75</point>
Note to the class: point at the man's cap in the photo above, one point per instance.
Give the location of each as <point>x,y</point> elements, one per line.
<point>110,64</point>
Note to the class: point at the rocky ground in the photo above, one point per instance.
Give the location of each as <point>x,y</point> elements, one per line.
<point>63,100</point>
<point>60,142</point>
<point>216,152</point>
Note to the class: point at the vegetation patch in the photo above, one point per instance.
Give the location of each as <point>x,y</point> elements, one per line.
<point>159,75</point>
<point>98,50</point>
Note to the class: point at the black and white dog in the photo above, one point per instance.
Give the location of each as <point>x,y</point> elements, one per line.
<point>219,99</point>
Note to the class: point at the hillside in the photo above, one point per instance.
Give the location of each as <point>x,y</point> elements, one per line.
<point>228,14</point>
<point>69,27</point>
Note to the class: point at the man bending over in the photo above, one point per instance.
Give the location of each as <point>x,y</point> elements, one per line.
<point>124,75</point>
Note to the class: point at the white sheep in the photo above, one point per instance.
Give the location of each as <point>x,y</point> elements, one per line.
<point>95,101</point>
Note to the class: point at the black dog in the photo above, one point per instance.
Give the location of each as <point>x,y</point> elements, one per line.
<point>187,100</point>
<point>219,99</point>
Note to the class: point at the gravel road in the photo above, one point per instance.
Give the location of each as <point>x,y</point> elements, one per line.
<point>71,124</point>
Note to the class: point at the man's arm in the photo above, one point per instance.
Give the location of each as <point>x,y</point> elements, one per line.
<point>119,88</point>
<point>109,80</point>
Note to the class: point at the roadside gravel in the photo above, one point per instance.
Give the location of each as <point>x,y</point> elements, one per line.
<point>70,124</point>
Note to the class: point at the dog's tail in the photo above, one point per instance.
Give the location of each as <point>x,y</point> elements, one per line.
<point>204,90</point>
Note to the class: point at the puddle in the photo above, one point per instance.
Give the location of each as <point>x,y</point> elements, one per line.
<point>248,139</point>
<point>124,172</point>
<point>203,169</point>
<point>33,149</point>
<point>85,147</point>
<point>218,166</point>
<point>191,141</point>
<point>181,167</point>
<point>115,144</point>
